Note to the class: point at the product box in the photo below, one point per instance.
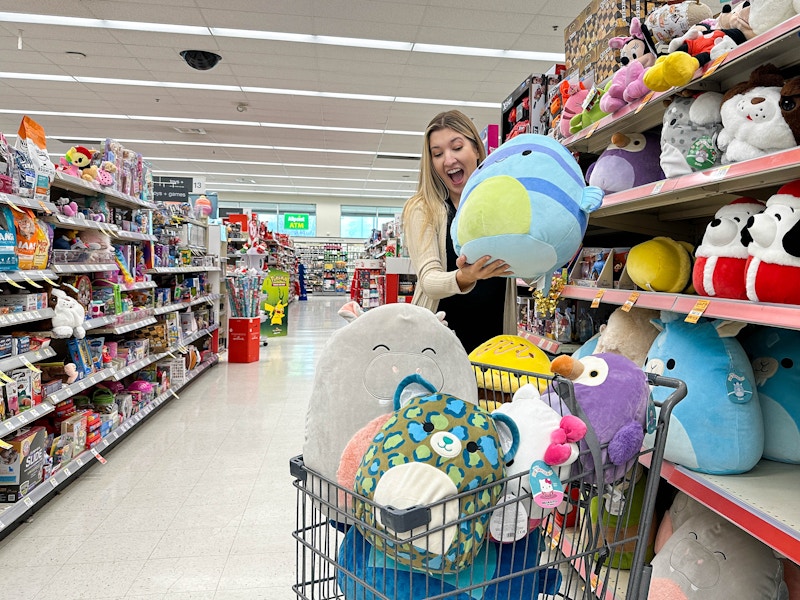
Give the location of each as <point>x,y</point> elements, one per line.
<point>80,355</point>
<point>5,346</point>
<point>21,465</point>
<point>75,425</point>
<point>490,136</point>
<point>20,344</point>
<point>28,387</point>
<point>592,269</point>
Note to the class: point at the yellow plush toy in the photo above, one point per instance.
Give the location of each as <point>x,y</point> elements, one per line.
<point>510,353</point>
<point>661,265</point>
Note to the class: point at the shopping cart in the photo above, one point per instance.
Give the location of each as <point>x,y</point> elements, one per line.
<point>594,545</point>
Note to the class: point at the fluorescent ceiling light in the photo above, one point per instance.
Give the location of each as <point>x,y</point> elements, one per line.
<point>317,94</point>
<point>10,17</point>
<point>305,38</point>
<point>365,194</point>
<point>241,146</point>
<point>270,176</point>
<point>36,76</point>
<point>275,164</point>
<point>166,84</point>
<point>307,187</point>
<point>494,105</point>
<point>489,52</point>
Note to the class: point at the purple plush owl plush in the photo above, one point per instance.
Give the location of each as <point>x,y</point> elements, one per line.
<point>613,393</point>
<point>631,160</point>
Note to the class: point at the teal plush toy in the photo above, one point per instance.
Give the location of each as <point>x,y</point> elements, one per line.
<point>775,355</point>
<point>526,204</point>
<point>439,451</point>
<point>717,428</point>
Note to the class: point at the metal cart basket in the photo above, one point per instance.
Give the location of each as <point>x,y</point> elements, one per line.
<point>594,545</point>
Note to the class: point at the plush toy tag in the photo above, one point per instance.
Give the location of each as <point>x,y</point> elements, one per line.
<point>702,153</point>
<point>592,98</point>
<point>651,416</point>
<point>509,523</point>
<point>739,390</point>
<point>546,486</point>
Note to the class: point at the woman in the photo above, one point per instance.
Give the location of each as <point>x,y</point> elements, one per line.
<point>479,299</point>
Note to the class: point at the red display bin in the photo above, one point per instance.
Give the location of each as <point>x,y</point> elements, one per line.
<point>244,339</point>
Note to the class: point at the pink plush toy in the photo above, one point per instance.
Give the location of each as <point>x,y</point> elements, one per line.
<point>627,83</point>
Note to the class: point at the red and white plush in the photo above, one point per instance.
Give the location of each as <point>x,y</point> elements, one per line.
<point>773,238</point>
<point>719,269</point>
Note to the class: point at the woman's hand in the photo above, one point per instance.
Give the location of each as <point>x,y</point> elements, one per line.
<point>483,268</point>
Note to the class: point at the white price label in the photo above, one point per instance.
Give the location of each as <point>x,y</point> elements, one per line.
<point>67,472</point>
<point>8,425</point>
<point>28,502</point>
<point>34,412</point>
<point>53,482</point>
<point>23,418</point>
<point>116,435</point>
<point>79,462</point>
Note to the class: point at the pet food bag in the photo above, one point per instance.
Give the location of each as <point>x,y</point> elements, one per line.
<point>32,144</point>
<point>8,240</point>
<point>6,167</point>
<point>33,240</point>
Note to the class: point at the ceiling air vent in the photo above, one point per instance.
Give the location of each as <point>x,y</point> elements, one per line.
<point>190,130</point>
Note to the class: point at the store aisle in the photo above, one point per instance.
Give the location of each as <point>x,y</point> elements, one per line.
<point>198,503</point>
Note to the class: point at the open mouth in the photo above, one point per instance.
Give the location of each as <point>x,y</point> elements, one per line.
<point>456,176</point>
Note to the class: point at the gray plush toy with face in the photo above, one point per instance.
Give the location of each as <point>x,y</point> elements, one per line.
<point>689,132</point>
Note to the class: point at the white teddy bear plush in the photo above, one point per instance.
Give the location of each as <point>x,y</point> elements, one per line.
<point>69,317</point>
<point>766,14</point>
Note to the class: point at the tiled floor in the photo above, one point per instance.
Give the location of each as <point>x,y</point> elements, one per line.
<point>197,504</point>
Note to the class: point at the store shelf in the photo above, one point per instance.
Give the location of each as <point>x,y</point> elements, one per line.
<point>138,285</point>
<point>127,327</point>
<point>77,387</point>
<point>777,46</point>
<point>15,513</point>
<point>27,316</point>
<point>762,501</point>
<point>209,298</point>
<point>63,181</point>
<point>85,268</point>
<point>163,270</point>
<point>28,416</point>
<point>137,366</point>
<point>760,313</point>
<point>11,200</point>
<point>81,223</point>
<point>735,178</point>
<point>99,322</point>
<point>19,360</point>
<point>135,236</point>
<point>28,276</point>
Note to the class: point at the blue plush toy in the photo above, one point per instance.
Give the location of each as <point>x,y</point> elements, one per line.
<point>775,355</point>
<point>360,562</point>
<point>527,205</point>
<point>717,428</point>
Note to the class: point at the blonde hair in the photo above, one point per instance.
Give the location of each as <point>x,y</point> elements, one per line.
<point>431,194</point>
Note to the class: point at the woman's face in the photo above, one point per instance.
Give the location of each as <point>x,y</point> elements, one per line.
<point>454,159</point>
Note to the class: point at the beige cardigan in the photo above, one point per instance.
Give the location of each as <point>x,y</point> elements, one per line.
<point>428,251</point>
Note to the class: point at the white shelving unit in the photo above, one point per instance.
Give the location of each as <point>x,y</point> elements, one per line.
<point>763,501</point>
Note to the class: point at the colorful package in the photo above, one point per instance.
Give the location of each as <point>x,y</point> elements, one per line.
<point>31,142</point>
<point>33,240</point>
<point>8,240</point>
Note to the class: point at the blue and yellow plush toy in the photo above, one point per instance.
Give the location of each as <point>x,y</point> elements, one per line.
<point>526,204</point>
<point>439,451</point>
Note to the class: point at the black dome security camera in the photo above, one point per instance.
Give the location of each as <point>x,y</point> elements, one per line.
<point>201,59</point>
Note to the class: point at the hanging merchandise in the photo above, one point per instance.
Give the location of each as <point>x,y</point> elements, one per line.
<point>244,292</point>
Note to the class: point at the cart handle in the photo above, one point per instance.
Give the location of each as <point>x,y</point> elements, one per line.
<point>679,394</point>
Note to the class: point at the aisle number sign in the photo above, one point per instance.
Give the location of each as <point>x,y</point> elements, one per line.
<point>297,221</point>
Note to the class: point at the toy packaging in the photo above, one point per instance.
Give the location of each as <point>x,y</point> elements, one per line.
<point>31,143</point>
<point>8,240</point>
<point>21,465</point>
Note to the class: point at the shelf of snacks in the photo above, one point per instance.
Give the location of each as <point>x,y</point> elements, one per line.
<point>165,270</point>
<point>40,494</point>
<point>759,313</point>
<point>127,327</point>
<point>70,183</point>
<point>85,268</point>
<point>77,387</point>
<point>777,46</point>
<point>23,360</point>
<point>25,316</point>
<point>13,201</point>
<point>758,501</point>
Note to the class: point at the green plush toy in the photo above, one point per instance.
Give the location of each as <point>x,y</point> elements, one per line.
<point>429,452</point>
<point>588,117</point>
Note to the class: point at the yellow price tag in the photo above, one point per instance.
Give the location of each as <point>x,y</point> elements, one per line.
<point>644,101</point>
<point>175,395</point>
<point>46,210</point>
<point>4,445</point>
<point>597,297</point>
<point>5,378</point>
<point>7,279</point>
<point>630,302</point>
<point>592,129</point>
<point>50,281</point>
<point>29,364</point>
<point>713,66</point>
<point>29,280</point>
<point>697,311</point>
<point>12,205</point>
